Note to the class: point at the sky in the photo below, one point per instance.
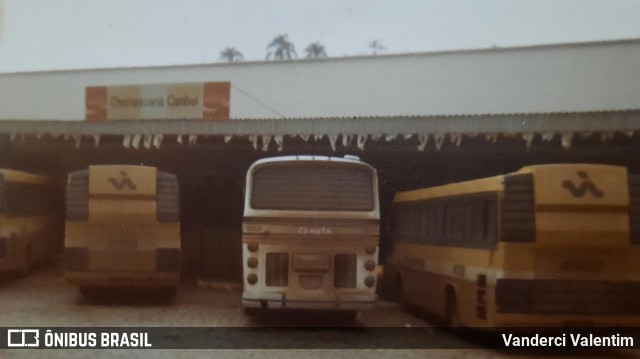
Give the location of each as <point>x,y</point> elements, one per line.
<point>72,34</point>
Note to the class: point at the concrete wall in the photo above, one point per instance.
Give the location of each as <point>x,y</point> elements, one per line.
<point>560,78</point>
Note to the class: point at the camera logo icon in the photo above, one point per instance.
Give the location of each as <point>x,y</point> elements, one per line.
<point>23,338</point>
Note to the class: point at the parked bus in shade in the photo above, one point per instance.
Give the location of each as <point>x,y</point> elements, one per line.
<point>122,229</point>
<point>30,223</point>
<point>548,245</point>
<point>310,234</point>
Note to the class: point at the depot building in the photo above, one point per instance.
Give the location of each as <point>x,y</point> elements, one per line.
<point>420,119</point>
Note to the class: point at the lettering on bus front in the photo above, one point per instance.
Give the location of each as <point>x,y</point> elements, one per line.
<point>585,186</point>
<point>124,181</point>
<point>314,230</point>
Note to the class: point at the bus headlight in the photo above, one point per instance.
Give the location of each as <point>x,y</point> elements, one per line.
<point>370,265</point>
<point>252,247</point>
<point>252,262</point>
<point>252,278</point>
<point>370,250</point>
<point>370,281</point>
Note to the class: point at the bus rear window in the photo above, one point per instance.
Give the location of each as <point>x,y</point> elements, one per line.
<point>313,187</point>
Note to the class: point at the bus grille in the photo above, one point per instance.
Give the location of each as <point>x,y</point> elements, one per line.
<point>567,297</point>
<point>517,212</point>
<point>168,200</point>
<point>277,269</point>
<point>78,196</point>
<point>345,270</point>
<point>634,208</point>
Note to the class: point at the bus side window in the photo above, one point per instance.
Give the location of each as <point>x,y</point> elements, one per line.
<point>2,193</point>
<point>490,221</point>
<point>436,223</point>
<point>403,222</point>
<point>414,222</point>
<point>422,213</point>
<point>454,218</point>
<point>475,218</point>
<point>427,224</point>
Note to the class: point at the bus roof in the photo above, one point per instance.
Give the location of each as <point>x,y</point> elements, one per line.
<point>488,184</point>
<point>346,159</point>
<point>11,175</point>
<point>546,167</point>
<point>121,166</point>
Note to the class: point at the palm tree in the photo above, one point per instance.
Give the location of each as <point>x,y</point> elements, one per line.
<point>376,46</point>
<point>315,50</point>
<point>282,48</point>
<point>231,54</point>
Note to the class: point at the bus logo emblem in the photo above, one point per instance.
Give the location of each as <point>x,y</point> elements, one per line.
<point>125,181</point>
<point>585,186</point>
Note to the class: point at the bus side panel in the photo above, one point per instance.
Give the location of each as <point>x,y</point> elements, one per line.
<point>12,250</point>
<point>29,231</point>
<point>139,256</point>
<point>44,237</point>
<point>429,274</point>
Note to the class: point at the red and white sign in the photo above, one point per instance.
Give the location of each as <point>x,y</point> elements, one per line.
<point>208,101</point>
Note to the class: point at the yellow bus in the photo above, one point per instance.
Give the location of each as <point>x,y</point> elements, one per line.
<point>30,226</point>
<point>549,245</point>
<point>122,228</point>
<point>310,234</point>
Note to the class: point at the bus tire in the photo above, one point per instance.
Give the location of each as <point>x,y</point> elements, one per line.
<point>252,311</point>
<point>451,313</point>
<point>168,294</point>
<point>344,315</point>
<point>399,295</point>
<point>89,293</point>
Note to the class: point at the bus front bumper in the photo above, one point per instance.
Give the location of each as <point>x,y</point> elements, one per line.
<point>282,301</point>
<point>123,279</point>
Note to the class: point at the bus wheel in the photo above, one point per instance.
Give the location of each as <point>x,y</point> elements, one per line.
<point>346,315</point>
<point>89,293</point>
<point>253,311</point>
<point>452,319</point>
<point>168,294</point>
<point>399,291</point>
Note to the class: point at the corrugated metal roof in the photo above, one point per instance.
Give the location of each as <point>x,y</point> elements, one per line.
<point>605,121</point>
<point>598,76</point>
